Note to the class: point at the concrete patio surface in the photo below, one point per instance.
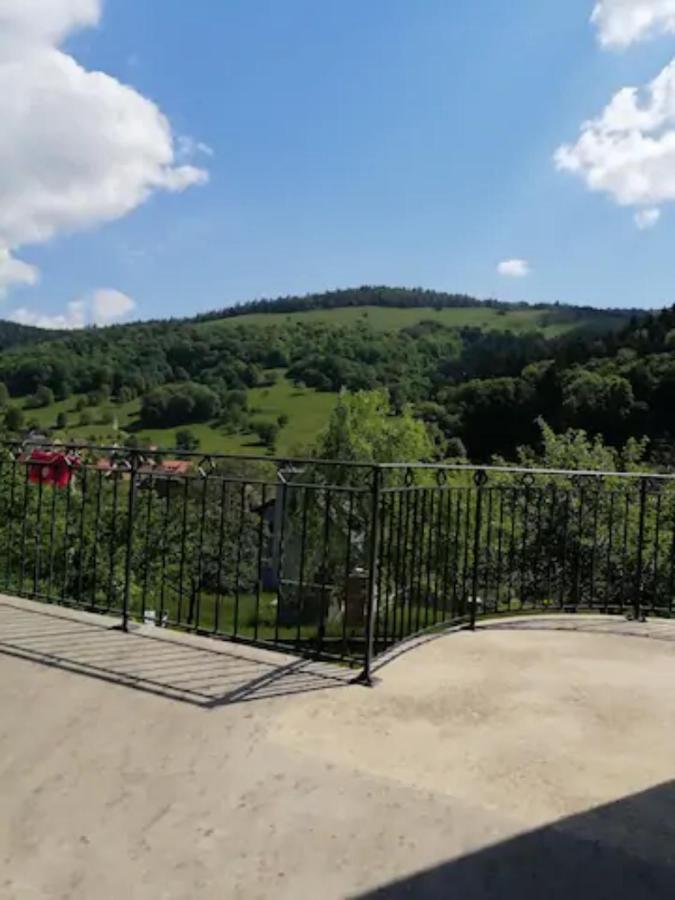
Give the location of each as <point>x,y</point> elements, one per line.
<point>532,758</point>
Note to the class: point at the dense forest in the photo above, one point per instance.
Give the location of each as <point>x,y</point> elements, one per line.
<point>480,391</point>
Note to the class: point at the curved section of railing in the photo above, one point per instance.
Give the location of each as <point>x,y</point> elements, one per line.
<point>334,559</point>
<point>458,543</point>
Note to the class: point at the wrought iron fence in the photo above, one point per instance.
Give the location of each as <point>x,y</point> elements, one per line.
<point>337,560</point>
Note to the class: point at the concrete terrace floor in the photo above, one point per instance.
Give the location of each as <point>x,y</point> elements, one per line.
<point>530,759</point>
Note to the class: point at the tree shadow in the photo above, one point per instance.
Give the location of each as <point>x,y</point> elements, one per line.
<point>160,664</point>
<point>622,851</point>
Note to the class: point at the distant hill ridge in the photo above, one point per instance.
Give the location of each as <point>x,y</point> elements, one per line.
<point>402,298</point>
<point>13,334</point>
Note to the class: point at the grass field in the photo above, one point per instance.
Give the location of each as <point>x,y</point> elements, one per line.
<point>391,319</point>
<point>307,411</point>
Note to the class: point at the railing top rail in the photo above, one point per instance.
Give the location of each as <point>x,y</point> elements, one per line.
<point>186,454</point>
<point>280,461</point>
<point>522,470</point>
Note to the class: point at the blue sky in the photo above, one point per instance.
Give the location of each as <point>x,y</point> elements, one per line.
<point>349,142</point>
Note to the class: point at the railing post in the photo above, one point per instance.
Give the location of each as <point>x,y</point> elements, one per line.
<point>479,477</point>
<point>131,507</point>
<point>373,553</point>
<point>637,602</point>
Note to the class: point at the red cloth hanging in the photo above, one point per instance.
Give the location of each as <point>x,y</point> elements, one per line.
<point>51,467</point>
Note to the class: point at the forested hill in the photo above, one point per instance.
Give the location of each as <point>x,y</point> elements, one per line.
<point>405,298</point>
<point>13,334</point>
<point>479,374</point>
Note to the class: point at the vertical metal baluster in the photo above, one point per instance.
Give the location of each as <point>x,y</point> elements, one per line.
<point>657,538</point>
<point>594,544</point>
<point>221,550</point>
<point>480,477</point>
<point>258,582</point>
<point>610,549</point>
<point>430,545</point>
<point>579,547</point>
<point>373,554</point>
<point>81,537</point>
<point>150,491</point>
<point>281,555</point>
<point>446,550</point>
<point>112,589</point>
<point>240,538</point>
<point>97,532</point>
<point>183,539</point>
<point>637,603</point>
<point>566,522</point>
<point>552,518</point>
<point>488,550</point>
<point>523,547</point>
<point>348,565</point>
<point>467,544</point>
<point>498,577</point>
<point>624,550</point>
<point>321,635</point>
<point>11,517</point>
<point>401,580</point>
<point>36,561</point>
<point>165,547</point>
<point>391,573</point>
<point>129,540</point>
<point>405,580</point>
<point>196,589</point>
<point>379,623</point>
<point>24,526</point>
<point>512,547</point>
<point>671,579</point>
<point>456,553</point>
<point>413,593</point>
<point>66,539</point>
<point>421,539</point>
<point>437,553</point>
<point>535,566</point>
<point>301,586</point>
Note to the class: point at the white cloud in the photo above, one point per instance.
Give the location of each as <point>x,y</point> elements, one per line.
<point>108,305</point>
<point>104,307</point>
<point>77,148</point>
<point>73,317</point>
<point>514,268</point>
<point>187,147</point>
<point>647,218</point>
<point>628,151</point>
<point>623,22</point>
<point>14,271</point>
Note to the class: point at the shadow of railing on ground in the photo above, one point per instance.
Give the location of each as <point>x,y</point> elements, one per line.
<point>206,676</point>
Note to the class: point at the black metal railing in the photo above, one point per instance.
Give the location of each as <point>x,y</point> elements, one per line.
<point>332,559</point>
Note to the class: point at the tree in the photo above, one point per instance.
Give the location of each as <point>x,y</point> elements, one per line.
<point>267,433</point>
<point>362,428</point>
<point>62,420</point>
<point>14,418</point>
<point>179,404</point>
<point>43,396</point>
<point>282,420</point>
<point>4,394</point>
<point>86,417</point>
<point>186,440</point>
